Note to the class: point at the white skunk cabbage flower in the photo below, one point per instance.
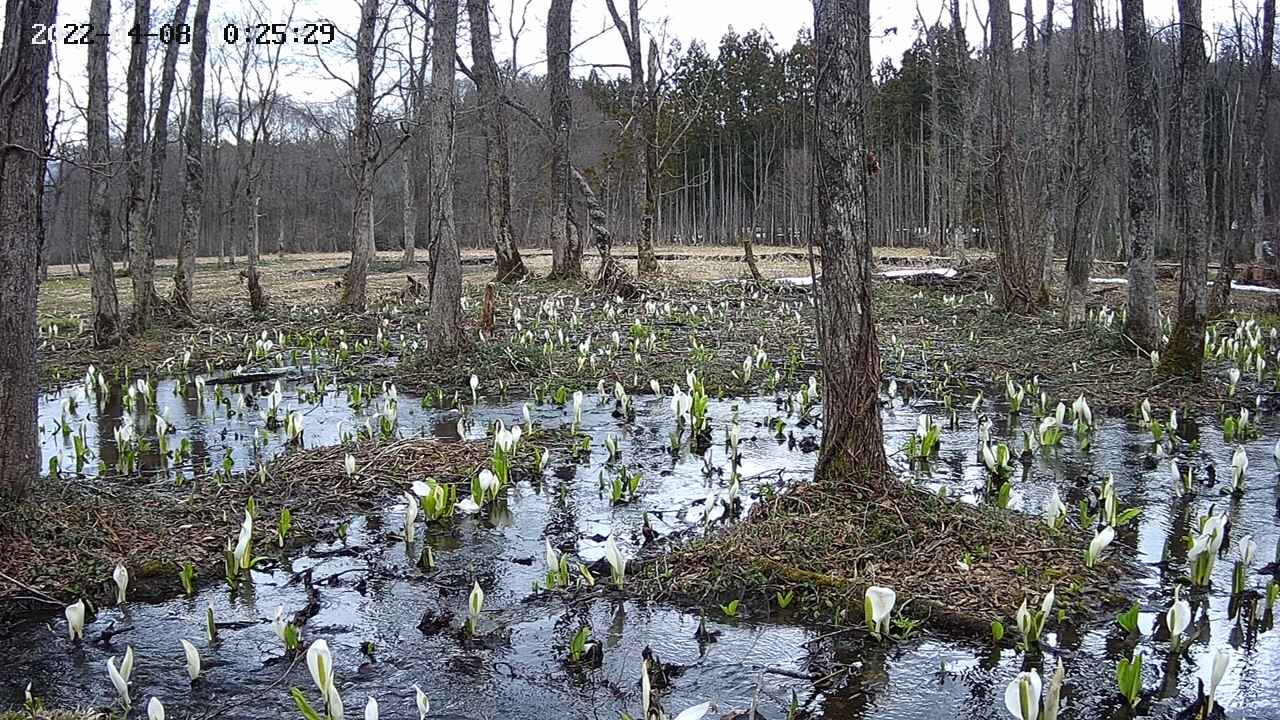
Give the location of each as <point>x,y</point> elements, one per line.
<point>422,701</point>
<point>121,578</point>
<point>1022,696</point>
<point>1082,411</point>
<point>553,557</point>
<point>371,709</point>
<point>349,464</point>
<point>877,604</point>
<point>1215,672</point>
<point>410,515</point>
<point>1056,511</point>
<point>241,552</point>
<point>475,385</point>
<point>193,659</point>
<point>1099,543</point>
<point>475,603</point>
<point>488,483</point>
<point>1239,466</point>
<point>120,682</point>
<point>1246,550</point>
<point>617,561</point>
<point>694,713</point>
<point>75,620</point>
<point>278,624</point>
<point>320,663</point>
<point>155,709</point>
<point>1177,618</point>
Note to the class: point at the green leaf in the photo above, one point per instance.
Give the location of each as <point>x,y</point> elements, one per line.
<point>304,707</point>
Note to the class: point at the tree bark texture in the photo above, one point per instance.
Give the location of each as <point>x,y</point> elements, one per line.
<point>106,306</point>
<point>641,127</point>
<point>24,70</point>
<point>362,157</point>
<point>193,178</point>
<point>852,438</point>
<point>1142,319</point>
<point>566,245</point>
<point>1016,261</point>
<point>1185,353</point>
<point>1085,161</point>
<point>497,146</point>
<point>135,155</point>
<point>444,318</point>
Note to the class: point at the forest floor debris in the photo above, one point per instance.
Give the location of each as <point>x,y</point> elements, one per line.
<point>825,542</point>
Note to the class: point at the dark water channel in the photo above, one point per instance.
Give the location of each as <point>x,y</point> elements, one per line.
<point>378,594</point>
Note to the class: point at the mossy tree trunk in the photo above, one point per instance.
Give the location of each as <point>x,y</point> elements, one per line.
<point>1142,320</point>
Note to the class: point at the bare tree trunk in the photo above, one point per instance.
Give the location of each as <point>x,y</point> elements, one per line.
<point>852,438</point>
<point>24,68</point>
<point>157,154</point>
<point>257,298</point>
<point>193,146</point>
<point>444,319</point>
<point>410,206</point>
<point>1185,353</point>
<point>1085,159</point>
<point>106,307</point>
<point>1142,320</point>
<point>497,145</point>
<point>641,131</point>
<point>354,286</point>
<point>1249,222</point>
<point>135,154</point>
<point>1018,265</point>
<point>566,245</point>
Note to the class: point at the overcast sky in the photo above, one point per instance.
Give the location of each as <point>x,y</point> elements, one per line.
<point>686,20</point>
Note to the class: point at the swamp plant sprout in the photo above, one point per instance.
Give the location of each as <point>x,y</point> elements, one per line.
<point>121,578</point>
<point>475,603</point>
<point>1177,618</point>
<point>1031,624</point>
<point>1099,543</point>
<point>75,620</point>
<point>192,657</point>
<point>617,562</point>
<point>1129,677</point>
<point>1212,677</point>
<point>1022,696</point>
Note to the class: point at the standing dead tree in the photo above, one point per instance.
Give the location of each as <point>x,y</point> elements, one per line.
<point>24,90</point>
<point>106,307</point>
<point>497,145</point>
<point>193,148</point>
<point>852,438</point>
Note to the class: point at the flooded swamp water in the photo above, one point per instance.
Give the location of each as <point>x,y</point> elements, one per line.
<point>392,624</point>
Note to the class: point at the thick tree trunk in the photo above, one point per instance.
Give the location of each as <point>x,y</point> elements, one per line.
<point>444,319</point>
<point>566,245</point>
<point>1185,353</point>
<point>24,68</point>
<point>497,146</point>
<point>106,307</point>
<point>362,157</point>
<point>156,155</point>
<point>1017,263</point>
<point>852,438</point>
<point>1085,160</point>
<point>193,147</point>
<point>1142,320</point>
<point>135,154</point>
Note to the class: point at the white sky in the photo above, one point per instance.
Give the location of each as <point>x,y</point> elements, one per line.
<point>687,20</point>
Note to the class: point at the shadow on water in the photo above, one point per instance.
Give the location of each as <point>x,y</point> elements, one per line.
<point>373,590</point>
